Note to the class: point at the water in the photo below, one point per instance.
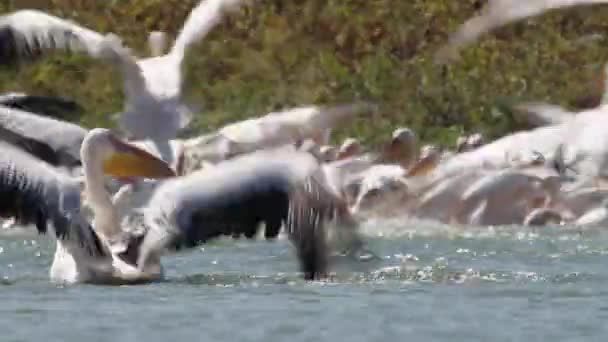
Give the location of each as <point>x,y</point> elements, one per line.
<point>433,284</point>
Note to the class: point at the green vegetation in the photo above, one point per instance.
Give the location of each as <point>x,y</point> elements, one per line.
<point>280,53</point>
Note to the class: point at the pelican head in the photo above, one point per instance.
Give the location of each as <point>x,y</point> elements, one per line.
<point>328,153</point>
<point>120,159</point>
<point>350,147</point>
<point>461,144</point>
<point>402,147</point>
<point>404,135</point>
<point>157,40</point>
<point>475,140</point>
<point>430,157</point>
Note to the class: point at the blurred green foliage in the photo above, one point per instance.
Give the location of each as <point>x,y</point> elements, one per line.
<point>279,53</point>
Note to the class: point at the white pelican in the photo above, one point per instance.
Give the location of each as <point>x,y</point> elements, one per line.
<point>497,13</point>
<point>232,198</point>
<point>153,107</point>
<point>585,136</point>
<point>271,130</point>
<point>35,192</point>
<point>271,187</point>
<point>401,148</point>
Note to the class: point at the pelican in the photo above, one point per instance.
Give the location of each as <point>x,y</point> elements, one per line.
<point>401,148</point>
<point>274,129</point>
<point>497,13</point>
<point>584,135</point>
<point>153,107</point>
<point>234,197</point>
<point>35,192</point>
<point>231,199</point>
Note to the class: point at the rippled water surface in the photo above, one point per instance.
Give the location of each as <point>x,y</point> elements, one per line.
<point>432,284</point>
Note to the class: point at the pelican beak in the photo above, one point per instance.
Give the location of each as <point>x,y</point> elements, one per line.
<point>130,161</point>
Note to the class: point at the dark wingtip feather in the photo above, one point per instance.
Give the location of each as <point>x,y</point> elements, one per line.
<point>312,254</point>
<point>310,206</point>
<point>15,48</point>
<point>76,228</point>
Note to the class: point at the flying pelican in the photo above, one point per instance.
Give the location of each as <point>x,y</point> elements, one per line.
<point>153,107</point>
<point>497,13</point>
<point>268,131</point>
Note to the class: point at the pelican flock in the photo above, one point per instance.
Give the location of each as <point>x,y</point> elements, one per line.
<point>116,202</point>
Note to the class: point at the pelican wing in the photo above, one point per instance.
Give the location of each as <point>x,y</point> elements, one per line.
<point>35,193</point>
<point>236,196</point>
<point>543,114</point>
<point>28,34</point>
<point>34,147</point>
<point>45,105</point>
<point>498,13</point>
<point>57,142</point>
<point>203,18</point>
<point>288,126</point>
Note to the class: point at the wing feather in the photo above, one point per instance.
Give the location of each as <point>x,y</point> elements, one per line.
<point>29,34</point>
<point>237,196</point>
<point>203,18</point>
<point>498,13</point>
<point>34,193</point>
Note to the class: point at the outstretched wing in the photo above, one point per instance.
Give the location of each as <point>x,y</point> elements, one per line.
<point>34,193</point>
<point>237,196</point>
<point>498,13</point>
<point>54,141</point>
<point>203,18</point>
